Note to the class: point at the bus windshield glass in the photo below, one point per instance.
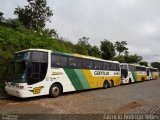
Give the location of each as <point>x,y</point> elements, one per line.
<point>124,71</point>
<point>29,66</point>
<point>22,56</point>
<point>19,72</point>
<point>123,66</point>
<point>16,72</point>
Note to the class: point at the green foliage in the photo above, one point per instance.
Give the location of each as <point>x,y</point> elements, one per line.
<point>1,86</point>
<point>107,48</point>
<point>12,40</point>
<point>120,58</point>
<point>120,46</point>
<point>35,15</point>
<point>1,17</point>
<point>83,46</point>
<point>156,65</point>
<point>133,58</point>
<point>50,32</point>
<point>94,51</point>
<point>145,63</point>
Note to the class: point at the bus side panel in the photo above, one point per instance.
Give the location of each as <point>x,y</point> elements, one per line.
<point>154,75</point>
<point>60,76</point>
<point>141,76</point>
<point>74,79</point>
<point>134,75</point>
<point>91,80</point>
<point>82,78</point>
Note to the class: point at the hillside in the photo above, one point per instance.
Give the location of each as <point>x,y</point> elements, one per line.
<point>14,39</point>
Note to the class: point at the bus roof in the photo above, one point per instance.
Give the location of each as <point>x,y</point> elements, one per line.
<point>133,64</point>
<point>43,50</point>
<point>68,54</point>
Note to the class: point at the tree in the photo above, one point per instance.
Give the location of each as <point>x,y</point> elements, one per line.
<point>1,17</point>
<point>83,46</point>
<point>50,32</point>
<point>94,51</point>
<point>120,47</point>
<point>107,48</point>
<point>120,58</point>
<point>145,63</point>
<point>156,65</point>
<point>35,15</point>
<point>15,23</point>
<point>133,58</point>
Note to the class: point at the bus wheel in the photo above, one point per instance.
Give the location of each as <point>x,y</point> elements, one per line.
<point>142,79</point>
<point>130,81</point>
<point>156,77</point>
<point>111,83</point>
<point>105,84</point>
<point>55,90</point>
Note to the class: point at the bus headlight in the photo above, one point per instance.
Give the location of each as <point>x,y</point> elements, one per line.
<point>19,86</point>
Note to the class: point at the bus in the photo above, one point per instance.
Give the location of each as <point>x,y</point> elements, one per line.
<point>152,73</point>
<point>37,72</point>
<point>132,73</point>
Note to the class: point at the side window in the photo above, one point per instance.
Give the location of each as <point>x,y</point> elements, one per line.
<point>75,62</point>
<point>106,65</point>
<point>88,64</point>
<point>144,69</point>
<point>113,66</point>
<point>58,61</point>
<point>117,67</point>
<point>97,65</point>
<point>137,68</point>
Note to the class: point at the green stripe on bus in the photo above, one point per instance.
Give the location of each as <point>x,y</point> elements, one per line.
<point>134,76</point>
<point>82,78</point>
<point>74,78</point>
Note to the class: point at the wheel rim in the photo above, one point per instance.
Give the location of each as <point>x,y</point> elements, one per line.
<point>55,91</point>
<point>111,84</point>
<point>106,85</point>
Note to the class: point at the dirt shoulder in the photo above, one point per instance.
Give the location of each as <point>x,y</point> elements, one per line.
<point>138,98</point>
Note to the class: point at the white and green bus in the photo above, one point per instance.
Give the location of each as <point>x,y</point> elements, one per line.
<point>152,73</point>
<point>37,72</point>
<point>132,73</point>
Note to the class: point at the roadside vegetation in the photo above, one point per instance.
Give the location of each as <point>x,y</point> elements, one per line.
<point>28,31</point>
<point>1,87</point>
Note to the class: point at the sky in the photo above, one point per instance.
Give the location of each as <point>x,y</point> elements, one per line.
<point>134,21</point>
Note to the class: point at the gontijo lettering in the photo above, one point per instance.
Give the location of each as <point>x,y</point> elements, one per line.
<point>101,73</point>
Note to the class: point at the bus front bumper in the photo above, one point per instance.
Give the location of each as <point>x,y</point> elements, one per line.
<point>15,92</point>
<point>124,81</point>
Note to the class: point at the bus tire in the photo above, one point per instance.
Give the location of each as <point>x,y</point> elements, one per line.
<point>130,81</point>
<point>111,83</point>
<point>156,77</point>
<point>142,79</point>
<point>55,90</point>
<point>105,84</point>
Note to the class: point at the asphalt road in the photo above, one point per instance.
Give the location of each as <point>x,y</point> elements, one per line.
<point>137,98</point>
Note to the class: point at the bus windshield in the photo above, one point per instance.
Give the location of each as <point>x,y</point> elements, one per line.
<point>19,72</point>
<point>16,72</point>
<point>28,67</point>
<point>124,71</point>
